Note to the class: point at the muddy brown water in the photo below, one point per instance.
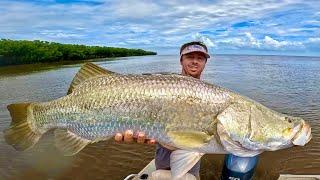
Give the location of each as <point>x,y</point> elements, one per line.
<point>289,85</point>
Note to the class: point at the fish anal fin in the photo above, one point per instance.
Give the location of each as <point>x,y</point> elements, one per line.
<point>87,71</point>
<point>189,139</point>
<point>181,161</point>
<point>69,143</point>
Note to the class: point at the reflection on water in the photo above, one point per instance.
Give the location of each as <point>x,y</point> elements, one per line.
<point>286,84</point>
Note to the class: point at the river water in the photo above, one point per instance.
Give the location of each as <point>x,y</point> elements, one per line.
<point>286,84</point>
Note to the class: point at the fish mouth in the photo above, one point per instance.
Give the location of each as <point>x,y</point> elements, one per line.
<point>303,136</point>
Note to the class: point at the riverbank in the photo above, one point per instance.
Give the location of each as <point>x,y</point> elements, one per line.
<point>36,67</point>
<point>14,52</point>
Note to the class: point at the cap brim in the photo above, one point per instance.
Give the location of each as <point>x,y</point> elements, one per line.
<point>205,54</point>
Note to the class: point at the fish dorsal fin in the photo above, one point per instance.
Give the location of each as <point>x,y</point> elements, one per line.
<point>189,139</point>
<point>69,143</point>
<point>87,71</point>
<point>181,161</point>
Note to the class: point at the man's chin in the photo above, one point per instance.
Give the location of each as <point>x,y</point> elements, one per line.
<point>194,71</point>
<point>194,74</point>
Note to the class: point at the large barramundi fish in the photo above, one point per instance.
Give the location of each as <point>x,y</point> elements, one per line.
<point>194,116</point>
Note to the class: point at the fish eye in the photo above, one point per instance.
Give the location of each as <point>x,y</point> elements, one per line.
<point>288,119</point>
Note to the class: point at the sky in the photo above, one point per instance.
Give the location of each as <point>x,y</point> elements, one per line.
<point>257,27</point>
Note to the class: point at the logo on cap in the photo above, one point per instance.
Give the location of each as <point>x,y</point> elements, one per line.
<point>195,48</point>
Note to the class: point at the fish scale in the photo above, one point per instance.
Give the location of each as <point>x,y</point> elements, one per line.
<point>139,98</point>
<point>188,114</point>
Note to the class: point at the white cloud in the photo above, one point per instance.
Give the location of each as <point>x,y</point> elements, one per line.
<point>232,43</point>
<point>249,41</point>
<point>271,42</point>
<point>253,42</point>
<point>138,41</point>
<point>158,23</point>
<point>132,8</point>
<point>316,39</point>
<point>204,39</point>
<point>278,44</point>
<point>60,34</point>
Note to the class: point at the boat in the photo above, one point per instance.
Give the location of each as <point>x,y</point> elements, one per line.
<point>298,177</point>
<point>146,173</point>
<point>150,173</point>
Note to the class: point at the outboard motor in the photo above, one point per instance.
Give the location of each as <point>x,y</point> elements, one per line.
<point>238,168</point>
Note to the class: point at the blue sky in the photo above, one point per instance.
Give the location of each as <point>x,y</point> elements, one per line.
<point>279,27</point>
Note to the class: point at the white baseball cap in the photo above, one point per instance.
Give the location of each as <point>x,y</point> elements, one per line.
<point>195,48</point>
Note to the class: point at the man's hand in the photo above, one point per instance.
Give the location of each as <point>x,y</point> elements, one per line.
<point>130,136</point>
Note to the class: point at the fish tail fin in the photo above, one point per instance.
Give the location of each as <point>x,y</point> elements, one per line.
<point>20,134</point>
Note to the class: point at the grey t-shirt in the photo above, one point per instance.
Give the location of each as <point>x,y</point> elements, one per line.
<point>162,160</point>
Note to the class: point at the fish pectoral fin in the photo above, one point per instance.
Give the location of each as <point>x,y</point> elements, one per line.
<point>87,71</point>
<point>69,143</point>
<point>189,139</point>
<point>181,161</point>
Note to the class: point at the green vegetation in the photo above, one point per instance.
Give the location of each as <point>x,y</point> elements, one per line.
<point>14,52</point>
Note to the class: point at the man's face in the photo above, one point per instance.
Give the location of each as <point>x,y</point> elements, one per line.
<point>193,64</point>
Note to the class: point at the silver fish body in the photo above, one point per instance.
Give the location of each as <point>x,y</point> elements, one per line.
<point>154,104</point>
<point>194,116</point>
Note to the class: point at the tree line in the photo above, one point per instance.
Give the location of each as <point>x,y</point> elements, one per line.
<point>13,52</point>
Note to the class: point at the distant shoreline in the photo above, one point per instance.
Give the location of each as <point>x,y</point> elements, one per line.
<point>17,52</point>
<point>266,55</point>
<point>26,68</point>
<point>213,54</point>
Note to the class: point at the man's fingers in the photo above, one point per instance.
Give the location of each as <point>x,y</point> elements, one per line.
<point>141,138</point>
<point>128,136</point>
<point>118,137</point>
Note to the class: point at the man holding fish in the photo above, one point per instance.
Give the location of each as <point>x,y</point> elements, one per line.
<point>193,58</point>
<point>193,116</point>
